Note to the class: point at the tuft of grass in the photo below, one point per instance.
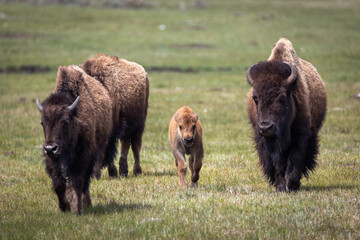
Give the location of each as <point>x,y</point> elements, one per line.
<point>198,59</point>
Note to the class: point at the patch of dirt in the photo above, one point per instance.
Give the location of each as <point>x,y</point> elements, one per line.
<point>193,46</point>
<point>29,69</point>
<point>187,70</point>
<point>16,35</point>
<point>170,69</point>
<point>9,153</point>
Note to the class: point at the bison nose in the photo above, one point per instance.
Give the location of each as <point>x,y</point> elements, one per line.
<point>50,149</point>
<point>188,139</point>
<point>267,129</point>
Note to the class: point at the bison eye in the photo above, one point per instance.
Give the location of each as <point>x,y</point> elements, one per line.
<point>255,99</point>
<point>180,127</point>
<point>65,122</point>
<point>282,97</point>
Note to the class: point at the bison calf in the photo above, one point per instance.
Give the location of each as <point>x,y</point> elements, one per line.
<point>286,106</point>
<point>185,134</point>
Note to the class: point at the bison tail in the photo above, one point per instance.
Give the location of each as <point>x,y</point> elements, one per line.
<point>111,150</point>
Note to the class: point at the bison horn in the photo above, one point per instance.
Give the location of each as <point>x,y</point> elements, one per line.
<point>248,75</point>
<point>293,75</point>
<point>38,104</point>
<point>73,105</point>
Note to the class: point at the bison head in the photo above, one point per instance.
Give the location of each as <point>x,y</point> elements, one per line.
<point>187,126</point>
<point>57,119</point>
<point>273,83</point>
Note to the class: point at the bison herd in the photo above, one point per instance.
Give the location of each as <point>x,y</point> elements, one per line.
<point>105,100</point>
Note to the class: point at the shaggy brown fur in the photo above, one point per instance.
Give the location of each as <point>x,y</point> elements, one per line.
<point>185,134</point>
<point>286,107</point>
<point>75,137</point>
<point>128,87</point>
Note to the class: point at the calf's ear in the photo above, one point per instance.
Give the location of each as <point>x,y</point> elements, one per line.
<point>176,117</point>
<point>248,75</point>
<point>195,117</point>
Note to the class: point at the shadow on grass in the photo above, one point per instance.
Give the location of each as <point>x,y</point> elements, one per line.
<point>113,207</point>
<point>329,187</point>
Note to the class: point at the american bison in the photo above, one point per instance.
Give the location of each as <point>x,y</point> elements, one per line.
<point>76,120</point>
<point>128,86</point>
<point>286,106</point>
<point>185,134</point>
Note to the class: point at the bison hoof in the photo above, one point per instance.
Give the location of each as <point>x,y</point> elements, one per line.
<point>123,174</point>
<point>194,184</point>
<point>293,186</point>
<point>281,188</point>
<point>137,171</point>
<point>112,171</point>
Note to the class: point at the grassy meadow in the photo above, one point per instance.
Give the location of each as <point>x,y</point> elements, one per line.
<point>195,57</point>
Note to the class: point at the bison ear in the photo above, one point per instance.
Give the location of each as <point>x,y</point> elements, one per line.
<point>248,75</point>
<point>291,80</point>
<point>62,73</point>
<point>87,67</point>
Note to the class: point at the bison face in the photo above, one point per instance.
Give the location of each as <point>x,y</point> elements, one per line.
<point>187,127</point>
<point>58,125</point>
<point>272,84</point>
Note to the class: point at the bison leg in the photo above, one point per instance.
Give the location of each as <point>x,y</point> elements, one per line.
<point>123,164</point>
<point>302,160</point>
<point>136,147</point>
<point>181,167</point>
<point>195,164</point>
<point>97,168</point>
<point>60,188</point>
<point>110,154</point>
<point>112,170</point>
<point>86,199</point>
<point>74,194</point>
<point>280,183</point>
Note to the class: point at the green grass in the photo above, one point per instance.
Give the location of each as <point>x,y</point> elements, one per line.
<point>233,200</point>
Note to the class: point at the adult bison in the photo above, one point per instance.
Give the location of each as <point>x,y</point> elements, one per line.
<point>128,86</point>
<point>76,120</point>
<point>286,106</point>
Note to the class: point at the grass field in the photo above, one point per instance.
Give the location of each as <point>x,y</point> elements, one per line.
<point>203,55</point>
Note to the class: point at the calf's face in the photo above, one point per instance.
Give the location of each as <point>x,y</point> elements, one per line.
<point>57,124</point>
<point>187,127</point>
<point>272,85</point>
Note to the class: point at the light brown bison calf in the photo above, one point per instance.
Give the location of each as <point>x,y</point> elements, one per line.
<point>185,134</point>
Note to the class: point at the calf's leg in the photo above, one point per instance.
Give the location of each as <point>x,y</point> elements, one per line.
<point>181,167</point>
<point>195,164</point>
